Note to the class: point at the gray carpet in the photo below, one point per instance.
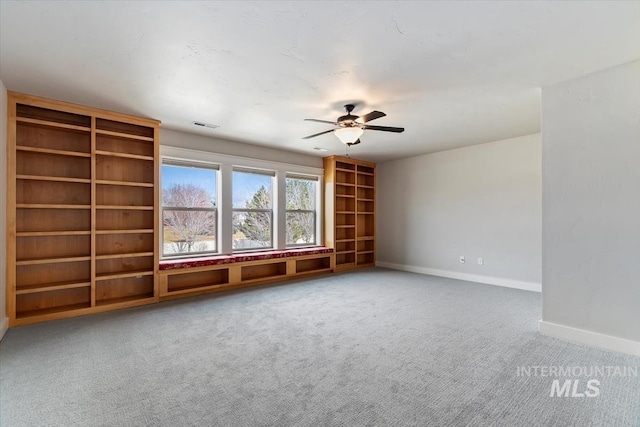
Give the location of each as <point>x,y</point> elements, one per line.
<point>370,348</point>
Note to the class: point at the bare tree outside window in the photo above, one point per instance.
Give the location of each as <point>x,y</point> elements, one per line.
<point>189,210</point>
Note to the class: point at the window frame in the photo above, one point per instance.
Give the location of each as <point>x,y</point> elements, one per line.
<point>189,164</point>
<point>314,211</point>
<point>271,175</point>
<point>226,164</point>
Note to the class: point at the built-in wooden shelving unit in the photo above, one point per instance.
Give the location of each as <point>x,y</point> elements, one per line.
<point>350,211</point>
<point>81,208</point>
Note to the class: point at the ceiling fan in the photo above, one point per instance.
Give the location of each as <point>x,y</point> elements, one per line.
<point>350,127</point>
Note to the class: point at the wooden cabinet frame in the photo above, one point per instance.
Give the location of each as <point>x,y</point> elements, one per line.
<point>82,198</point>
<point>350,203</point>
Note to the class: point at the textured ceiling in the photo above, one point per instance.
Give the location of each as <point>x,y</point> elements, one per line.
<point>452,73</point>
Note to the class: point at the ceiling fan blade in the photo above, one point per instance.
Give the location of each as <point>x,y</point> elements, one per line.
<point>320,121</point>
<point>372,116</point>
<point>355,143</point>
<point>318,134</point>
<point>383,128</point>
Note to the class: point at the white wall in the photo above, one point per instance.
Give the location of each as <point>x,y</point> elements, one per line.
<point>4,321</point>
<point>591,207</point>
<point>479,201</point>
<point>197,142</point>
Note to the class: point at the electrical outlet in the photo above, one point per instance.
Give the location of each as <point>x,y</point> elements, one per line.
<point>462,260</point>
<point>480,261</point>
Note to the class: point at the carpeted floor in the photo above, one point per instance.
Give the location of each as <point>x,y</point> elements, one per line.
<point>370,348</point>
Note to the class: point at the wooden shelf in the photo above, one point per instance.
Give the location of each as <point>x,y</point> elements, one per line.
<point>124,155</point>
<point>32,289</point>
<point>52,124</point>
<point>82,212</point>
<point>54,178</point>
<point>124,300</point>
<point>124,274</point>
<point>125,207</point>
<point>52,151</point>
<point>350,212</point>
<point>52,233</point>
<point>124,135</point>
<point>52,310</point>
<point>52,260</point>
<point>136,231</point>
<point>124,255</point>
<point>124,183</point>
<point>49,206</point>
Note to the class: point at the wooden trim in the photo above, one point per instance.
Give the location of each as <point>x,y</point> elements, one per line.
<point>68,107</point>
<point>93,211</point>
<point>11,210</point>
<point>350,160</point>
<point>80,311</point>
<point>156,209</point>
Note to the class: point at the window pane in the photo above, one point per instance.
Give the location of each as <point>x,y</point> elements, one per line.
<point>301,228</point>
<point>188,231</point>
<point>251,230</point>
<point>301,194</point>
<point>192,187</point>
<point>251,190</point>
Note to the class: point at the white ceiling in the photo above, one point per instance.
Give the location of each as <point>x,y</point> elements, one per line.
<point>452,73</point>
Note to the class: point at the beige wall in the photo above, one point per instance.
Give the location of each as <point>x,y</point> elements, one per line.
<point>591,207</point>
<point>197,142</point>
<point>480,201</point>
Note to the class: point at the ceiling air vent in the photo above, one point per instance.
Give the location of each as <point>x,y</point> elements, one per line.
<point>205,125</point>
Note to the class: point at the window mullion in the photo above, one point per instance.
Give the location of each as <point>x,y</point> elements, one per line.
<point>279,211</point>
<point>225,233</point>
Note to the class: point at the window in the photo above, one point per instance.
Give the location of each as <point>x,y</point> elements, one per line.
<point>301,210</point>
<point>189,208</point>
<point>218,204</point>
<point>252,209</point>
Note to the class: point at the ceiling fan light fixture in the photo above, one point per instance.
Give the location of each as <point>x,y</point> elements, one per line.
<point>348,135</point>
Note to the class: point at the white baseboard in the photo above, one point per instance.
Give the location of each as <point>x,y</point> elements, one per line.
<point>497,281</point>
<point>593,339</point>
<point>4,326</point>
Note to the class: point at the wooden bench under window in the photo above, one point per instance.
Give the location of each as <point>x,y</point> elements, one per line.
<point>193,276</point>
